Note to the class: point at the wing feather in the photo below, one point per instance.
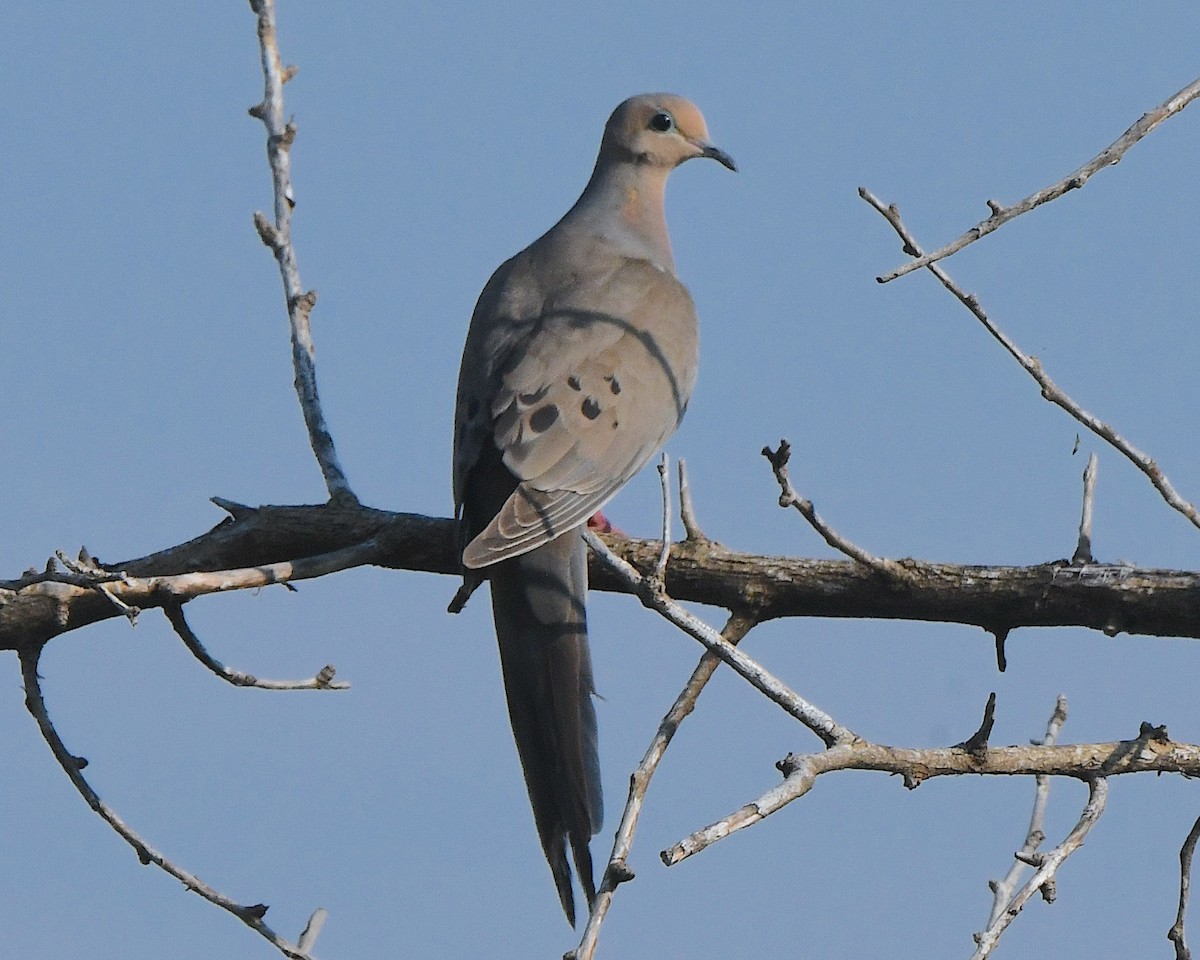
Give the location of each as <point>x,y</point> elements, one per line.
<point>579,401</point>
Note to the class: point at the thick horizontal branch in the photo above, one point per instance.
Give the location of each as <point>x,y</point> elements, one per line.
<point>278,544</point>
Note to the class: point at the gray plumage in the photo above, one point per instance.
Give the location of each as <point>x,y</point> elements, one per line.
<point>578,365</point>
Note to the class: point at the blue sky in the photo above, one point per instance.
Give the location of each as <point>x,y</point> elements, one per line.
<point>145,367</point>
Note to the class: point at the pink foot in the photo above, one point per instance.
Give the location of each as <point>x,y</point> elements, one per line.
<point>598,521</point>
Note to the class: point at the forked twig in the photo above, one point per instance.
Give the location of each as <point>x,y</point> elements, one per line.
<point>1107,157</point>
<point>92,574</point>
<point>1152,751</point>
<point>1004,890</point>
<point>1050,390</point>
<point>650,593</point>
<point>618,870</point>
<point>1047,869</point>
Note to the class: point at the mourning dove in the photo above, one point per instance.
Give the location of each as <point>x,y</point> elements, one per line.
<point>578,365</point>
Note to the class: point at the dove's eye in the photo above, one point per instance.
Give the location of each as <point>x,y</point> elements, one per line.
<point>662,121</point>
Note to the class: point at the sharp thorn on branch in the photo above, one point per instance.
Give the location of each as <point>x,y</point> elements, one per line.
<point>1001,635</point>
<point>977,744</point>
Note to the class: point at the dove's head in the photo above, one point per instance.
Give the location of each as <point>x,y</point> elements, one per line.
<point>659,129</point>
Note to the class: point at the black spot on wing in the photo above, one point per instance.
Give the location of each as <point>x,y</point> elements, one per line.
<point>542,419</point>
<point>614,385</point>
<point>583,319</point>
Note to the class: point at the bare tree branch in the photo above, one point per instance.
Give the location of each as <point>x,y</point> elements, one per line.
<point>1176,934</point>
<point>653,595</point>
<point>322,681</point>
<point>72,766</point>
<point>1047,871</point>
<point>687,510</point>
<point>618,870</point>
<point>1050,390</point>
<point>1150,752</point>
<point>1003,891</point>
<point>91,573</point>
<point>1108,157</point>
<point>789,498</point>
<point>312,930</point>
<point>280,544</point>
<point>1083,550</point>
<point>278,236</point>
<point>660,568</point>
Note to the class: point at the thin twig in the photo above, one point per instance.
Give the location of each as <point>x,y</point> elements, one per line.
<point>69,597</point>
<point>660,569</point>
<point>618,870</point>
<point>1176,934</point>
<point>1033,367</point>
<point>322,681</point>
<point>1083,550</point>
<point>687,511</point>
<point>1003,890</point>
<point>652,595</point>
<point>188,586</point>
<point>312,929</point>
<point>72,765</point>
<point>1046,874</point>
<point>86,566</point>
<point>1108,157</point>
<point>99,578</point>
<point>789,498</point>
<point>278,236</point>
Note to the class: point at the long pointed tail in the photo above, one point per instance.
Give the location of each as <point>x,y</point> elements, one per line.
<point>541,625</point>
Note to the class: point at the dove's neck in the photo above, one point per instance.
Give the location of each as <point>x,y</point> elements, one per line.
<point>623,204</point>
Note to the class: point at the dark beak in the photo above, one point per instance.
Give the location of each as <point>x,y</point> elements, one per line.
<point>715,153</point>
